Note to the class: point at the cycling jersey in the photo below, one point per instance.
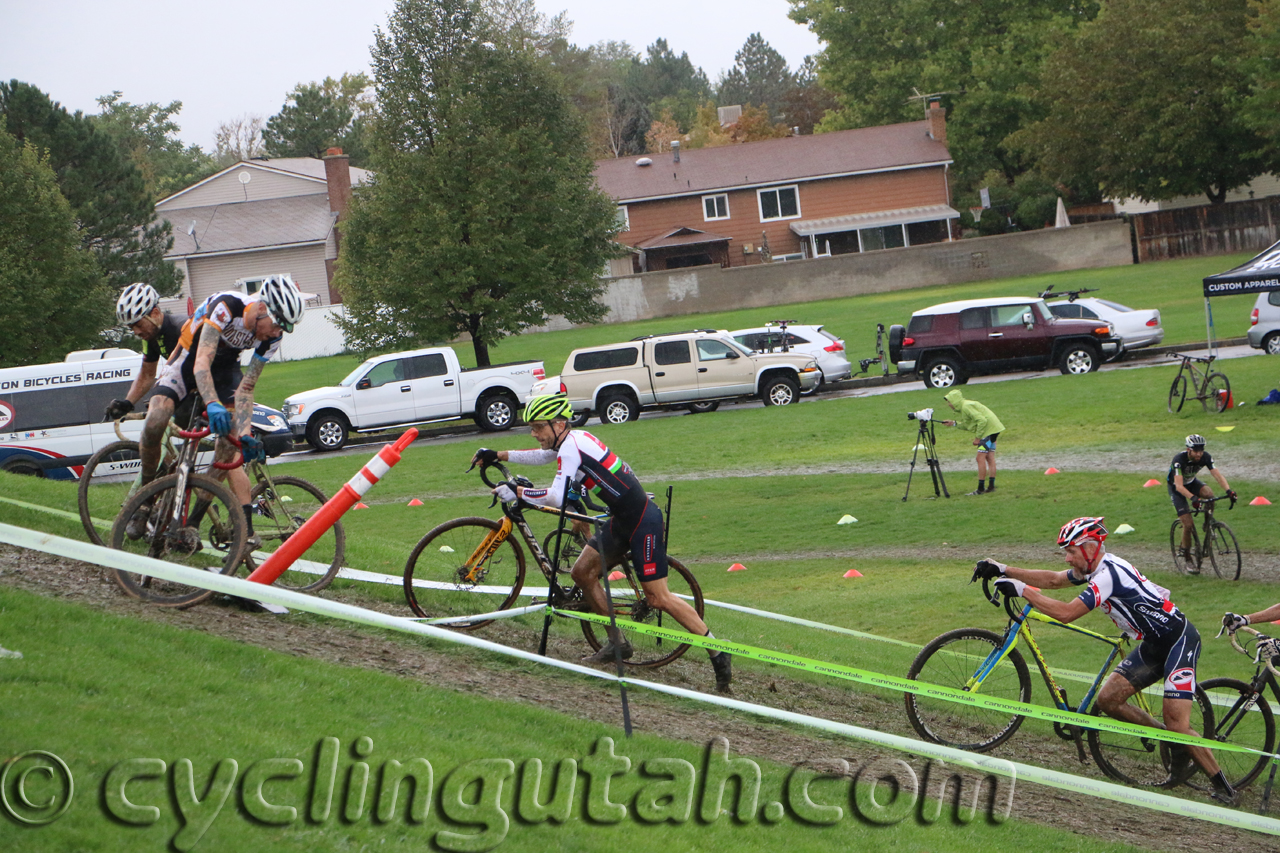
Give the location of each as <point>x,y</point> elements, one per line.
<point>1140,608</point>
<point>166,340</point>
<point>225,312</point>
<point>583,460</point>
<point>1183,465</point>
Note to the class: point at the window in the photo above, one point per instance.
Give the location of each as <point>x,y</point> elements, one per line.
<point>605,359</point>
<point>1009,315</point>
<point>921,233</point>
<point>1066,312</point>
<point>974,318</point>
<point>250,286</point>
<point>425,366</point>
<point>624,218</point>
<point>780,203</point>
<point>714,351</point>
<point>671,352</point>
<point>388,371</point>
<point>715,207</point>
<point>920,324</point>
<point>888,237</point>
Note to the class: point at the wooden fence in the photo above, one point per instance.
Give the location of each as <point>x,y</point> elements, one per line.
<point>1210,229</point>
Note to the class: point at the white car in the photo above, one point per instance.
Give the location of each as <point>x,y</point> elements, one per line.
<point>1264,323</point>
<point>1135,327</point>
<point>824,347</point>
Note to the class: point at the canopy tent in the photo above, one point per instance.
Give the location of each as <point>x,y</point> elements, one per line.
<point>1256,275</point>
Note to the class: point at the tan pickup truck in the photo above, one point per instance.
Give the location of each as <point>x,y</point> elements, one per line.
<point>694,370</point>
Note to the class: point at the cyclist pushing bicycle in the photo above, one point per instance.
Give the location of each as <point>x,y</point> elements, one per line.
<point>635,522</point>
<point>1184,487</point>
<point>1169,644</point>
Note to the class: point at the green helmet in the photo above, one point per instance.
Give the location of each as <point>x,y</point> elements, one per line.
<point>545,407</point>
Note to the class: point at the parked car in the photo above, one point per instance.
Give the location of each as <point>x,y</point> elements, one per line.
<point>1264,323</point>
<point>694,370</point>
<point>1136,327</point>
<point>414,387</point>
<point>946,344</point>
<point>826,348</point>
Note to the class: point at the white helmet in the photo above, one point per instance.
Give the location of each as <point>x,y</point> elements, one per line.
<point>136,301</point>
<point>283,300</point>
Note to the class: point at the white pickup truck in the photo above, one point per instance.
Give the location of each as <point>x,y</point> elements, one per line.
<point>414,387</point>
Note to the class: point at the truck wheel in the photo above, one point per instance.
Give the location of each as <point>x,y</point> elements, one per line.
<point>22,465</point>
<point>706,406</point>
<point>580,418</point>
<point>779,391</point>
<point>618,410</point>
<point>328,432</point>
<point>496,413</point>
<point>1079,359</point>
<point>1271,344</point>
<point>943,373</point>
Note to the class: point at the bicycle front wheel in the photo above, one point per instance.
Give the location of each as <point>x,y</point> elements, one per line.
<point>461,569</point>
<point>954,660</point>
<point>118,457</point>
<point>563,548</point>
<point>630,607</point>
<point>1145,761</point>
<point>1177,394</point>
<point>1224,552</point>
<point>1180,565</point>
<point>199,527</point>
<point>1217,393</point>
<point>280,507</point>
<point>1245,719</point>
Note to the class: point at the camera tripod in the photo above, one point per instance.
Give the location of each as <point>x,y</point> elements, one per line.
<point>924,438</point>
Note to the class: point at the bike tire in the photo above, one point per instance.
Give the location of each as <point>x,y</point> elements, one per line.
<point>1146,762</point>
<point>116,451</point>
<point>212,515</point>
<point>951,660</point>
<point>1175,545</point>
<point>1217,390</point>
<point>440,558</point>
<point>1224,551</point>
<point>1177,394</point>
<point>648,652</point>
<point>277,515</point>
<point>1246,721</point>
<point>570,546</point>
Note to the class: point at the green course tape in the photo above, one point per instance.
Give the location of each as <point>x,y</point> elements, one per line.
<point>60,512</point>
<point>903,685</point>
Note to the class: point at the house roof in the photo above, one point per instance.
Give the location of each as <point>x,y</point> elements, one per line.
<point>853,221</point>
<point>305,167</point>
<point>772,161</point>
<point>682,237</point>
<point>245,225</point>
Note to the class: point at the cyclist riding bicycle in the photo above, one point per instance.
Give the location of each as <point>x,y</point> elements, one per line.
<point>138,309</point>
<point>635,522</point>
<point>1184,487</point>
<point>225,325</point>
<point>1168,648</point>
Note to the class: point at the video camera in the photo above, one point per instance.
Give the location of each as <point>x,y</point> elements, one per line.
<point>922,415</point>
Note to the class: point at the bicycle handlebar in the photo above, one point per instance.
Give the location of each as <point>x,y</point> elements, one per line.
<point>1185,357</point>
<point>1261,641</point>
<point>1013,611</point>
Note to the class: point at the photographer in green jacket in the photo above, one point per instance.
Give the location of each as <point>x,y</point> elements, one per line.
<point>986,428</point>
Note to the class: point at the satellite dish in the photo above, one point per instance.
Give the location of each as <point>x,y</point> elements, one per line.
<point>245,177</point>
<point>191,229</point>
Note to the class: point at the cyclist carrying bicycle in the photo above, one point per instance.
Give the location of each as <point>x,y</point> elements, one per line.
<point>635,522</point>
<point>225,325</point>
<point>138,309</point>
<point>1184,488</point>
<point>1168,648</point>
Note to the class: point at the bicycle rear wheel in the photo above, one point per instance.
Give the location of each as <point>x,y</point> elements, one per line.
<point>1223,551</point>
<point>1245,719</point>
<point>118,457</point>
<point>563,548</point>
<point>630,607</point>
<point>1175,545</point>
<point>1144,761</point>
<point>1177,393</point>
<point>952,660</point>
<point>277,513</point>
<point>201,527</point>
<point>1217,393</point>
<point>448,573</point>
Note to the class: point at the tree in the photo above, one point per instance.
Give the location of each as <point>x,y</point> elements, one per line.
<point>808,101</point>
<point>1262,103</point>
<point>484,217</point>
<point>1150,105</point>
<point>663,80</point>
<point>318,116</point>
<point>108,195</point>
<point>759,76</point>
<point>238,139</point>
<point>661,133</point>
<point>148,135</point>
<point>754,125</point>
<point>53,298</point>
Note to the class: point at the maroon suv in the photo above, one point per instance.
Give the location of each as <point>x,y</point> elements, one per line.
<point>946,344</point>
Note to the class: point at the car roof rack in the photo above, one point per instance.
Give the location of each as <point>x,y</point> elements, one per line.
<point>668,334</point>
<point>1072,295</point>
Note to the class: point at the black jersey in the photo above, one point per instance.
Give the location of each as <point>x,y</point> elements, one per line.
<point>164,343</point>
<point>1183,465</point>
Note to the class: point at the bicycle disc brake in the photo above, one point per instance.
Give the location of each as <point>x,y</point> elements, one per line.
<point>184,540</point>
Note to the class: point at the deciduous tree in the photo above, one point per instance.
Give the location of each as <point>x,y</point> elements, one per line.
<point>239,139</point>
<point>148,135</point>
<point>318,116</point>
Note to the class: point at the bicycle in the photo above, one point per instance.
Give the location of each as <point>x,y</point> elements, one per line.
<point>1209,387</point>
<point>461,562</point>
<point>976,660</point>
<point>1218,543</point>
<point>1248,720</point>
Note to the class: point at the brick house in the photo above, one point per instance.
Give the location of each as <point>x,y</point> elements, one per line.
<point>784,199</point>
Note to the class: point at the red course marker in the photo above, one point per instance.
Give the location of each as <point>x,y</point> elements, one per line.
<point>1259,501</point>
<point>737,567</point>
<point>853,573</point>
<point>1052,471</point>
<point>415,502</point>
<point>617,576</point>
<point>1150,483</point>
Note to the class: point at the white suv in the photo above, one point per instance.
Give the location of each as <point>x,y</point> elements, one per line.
<point>1264,323</point>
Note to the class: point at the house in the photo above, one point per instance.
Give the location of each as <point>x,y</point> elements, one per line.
<point>784,199</point>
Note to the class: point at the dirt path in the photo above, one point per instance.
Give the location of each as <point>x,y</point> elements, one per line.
<point>304,636</point>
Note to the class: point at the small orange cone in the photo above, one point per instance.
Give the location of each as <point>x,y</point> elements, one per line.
<point>1259,501</point>
<point>415,502</point>
<point>616,575</point>
<point>362,505</point>
<point>1150,483</point>
<point>853,573</point>
<point>1052,471</point>
<point>737,567</point>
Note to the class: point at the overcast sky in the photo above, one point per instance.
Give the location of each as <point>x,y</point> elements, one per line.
<point>233,58</point>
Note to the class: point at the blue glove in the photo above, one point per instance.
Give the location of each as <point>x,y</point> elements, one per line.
<point>252,449</point>
<point>219,420</point>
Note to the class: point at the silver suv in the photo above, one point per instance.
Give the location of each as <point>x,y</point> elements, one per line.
<point>1264,323</point>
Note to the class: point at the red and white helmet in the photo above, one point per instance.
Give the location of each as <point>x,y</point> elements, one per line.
<point>1078,529</point>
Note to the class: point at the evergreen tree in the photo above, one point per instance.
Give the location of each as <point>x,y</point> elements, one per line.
<point>318,116</point>
<point>759,76</point>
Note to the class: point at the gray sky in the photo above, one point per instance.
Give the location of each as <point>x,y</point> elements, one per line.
<point>233,58</point>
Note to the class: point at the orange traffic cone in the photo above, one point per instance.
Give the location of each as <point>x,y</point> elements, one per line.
<point>1259,501</point>
<point>616,575</point>
<point>362,505</point>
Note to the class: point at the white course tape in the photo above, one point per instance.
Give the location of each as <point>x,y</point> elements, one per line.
<point>86,552</point>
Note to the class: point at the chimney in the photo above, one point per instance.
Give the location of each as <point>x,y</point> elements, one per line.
<point>675,150</point>
<point>337,174</point>
<point>937,117</point>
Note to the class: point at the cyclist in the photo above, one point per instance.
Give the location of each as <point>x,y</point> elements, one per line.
<point>225,325</point>
<point>1184,487</point>
<point>1169,644</point>
<point>986,428</point>
<point>138,309</point>
<point>635,522</point>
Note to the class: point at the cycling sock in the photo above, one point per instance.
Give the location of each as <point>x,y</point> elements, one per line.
<point>248,517</point>
<point>982,486</point>
<point>712,652</point>
<point>991,482</point>
<point>1220,782</point>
